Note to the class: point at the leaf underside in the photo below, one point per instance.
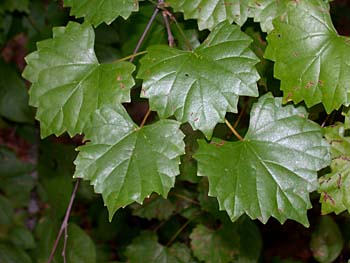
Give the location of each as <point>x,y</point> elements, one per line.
<point>126,163</point>
<point>311,59</point>
<point>270,172</point>
<point>200,86</point>
<point>68,83</point>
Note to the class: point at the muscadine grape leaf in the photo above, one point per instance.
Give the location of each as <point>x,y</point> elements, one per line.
<point>200,86</point>
<point>311,59</point>
<point>99,11</point>
<point>127,163</point>
<point>69,83</point>
<point>240,242</point>
<point>335,186</point>
<point>146,249</point>
<point>154,207</point>
<point>210,13</point>
<point>270,172</point>
<point>264,11</point>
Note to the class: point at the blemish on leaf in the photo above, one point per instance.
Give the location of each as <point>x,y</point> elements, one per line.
<point>339,181</point>
<point>122,85</point>
<point>327,197</point>
<point>221,143</point>
<point>289,96</point>
<point>309,84</point>
<point>320,82</point>
<point>196,119</point>
<point>119,78</point>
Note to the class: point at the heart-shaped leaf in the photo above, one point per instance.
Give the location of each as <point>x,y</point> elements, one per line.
<point>200,86</point>
<point>270,172</point>
<point>127,163</point>
<point>69,83</point>
<point>311,59</point>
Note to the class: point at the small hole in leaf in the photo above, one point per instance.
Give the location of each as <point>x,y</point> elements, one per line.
<point>186,74</point>
<point>279,35</point>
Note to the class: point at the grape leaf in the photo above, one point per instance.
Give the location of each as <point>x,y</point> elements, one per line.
<point>326,241</point>
<point>311,59</point>
<point>127,163</point>
<point>210,13</point>
<point>146,249</point>
<point>270,172</point>
<point>200,86</point>
<point>99,11</point>
<point>69,83</point>
<point>264,11</point>
<point>334,187</point>
<point>240,242</point>
<point>154,207</point>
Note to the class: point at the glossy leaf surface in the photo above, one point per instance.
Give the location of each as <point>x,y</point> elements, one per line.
<point>210,13</point>
<point>69,83</point>
<point>311,59</point>
<point>200,86</point>
<point>99,11</point>
<point>270,172</point>
<point>127,163</point>
<point>335,186</point>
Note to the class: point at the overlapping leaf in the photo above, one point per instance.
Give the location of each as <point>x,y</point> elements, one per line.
<point>264,11</point>
<point>270,172</point>
<point>335,186</point>
<point>240,242</point>
<point>69,83</point>
<point>210,13</point>
<point>311,59</point>
<point>127,163</point>
<point>200,86</point>
<point>99,11</point>
<point>146,248</point>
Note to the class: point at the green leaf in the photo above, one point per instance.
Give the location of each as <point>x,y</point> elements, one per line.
<point>200,86</point>
<point>154,207</point>
<point>99,11</point>
<point>210,13</point>
<point>21,237</point>
<point>10,165</point>
<point>6,211</point>
<point>326,241</point>
<point>13,95</point>
<point>310,57</point>
<point>69,83</point>
<point>240,242</point>
<point>11,254</point>
<point>264,11</point>
<point>270,172</point>
<point>80,247</point>
<point>13,5</point>
<point>146,249</point>
<point>334,187</point>
<point>127,163</point>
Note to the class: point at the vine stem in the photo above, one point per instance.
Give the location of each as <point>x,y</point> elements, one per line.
<point>131,56</point>
<point>233,130</point>
<point>142,38</point>
<point>145,118</point>
<point>64,226</point>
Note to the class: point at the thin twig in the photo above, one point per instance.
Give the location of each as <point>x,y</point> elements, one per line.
<point>185,198</point>
<point>65,244</point>
<point>240,115</point>
<point>168,29</point>
<point>233,130</point>
<point>145,118</point>
<point>142,38</point>
<point>64,223</point>
<point>131,56</point>
<point>172,239</point>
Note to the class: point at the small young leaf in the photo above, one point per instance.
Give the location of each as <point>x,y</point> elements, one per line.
<point>311,59</point>
<point>240,242</point>
<point>200,86</point>
<point>154,207</point>
<point>146,249</point>
<point>99,11</point>
<point>270,172</point>
<point>335,186</point>
<point>127,163</point>
<point>326,242</point>
<point>69,83</point>
<point>210,13</point>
